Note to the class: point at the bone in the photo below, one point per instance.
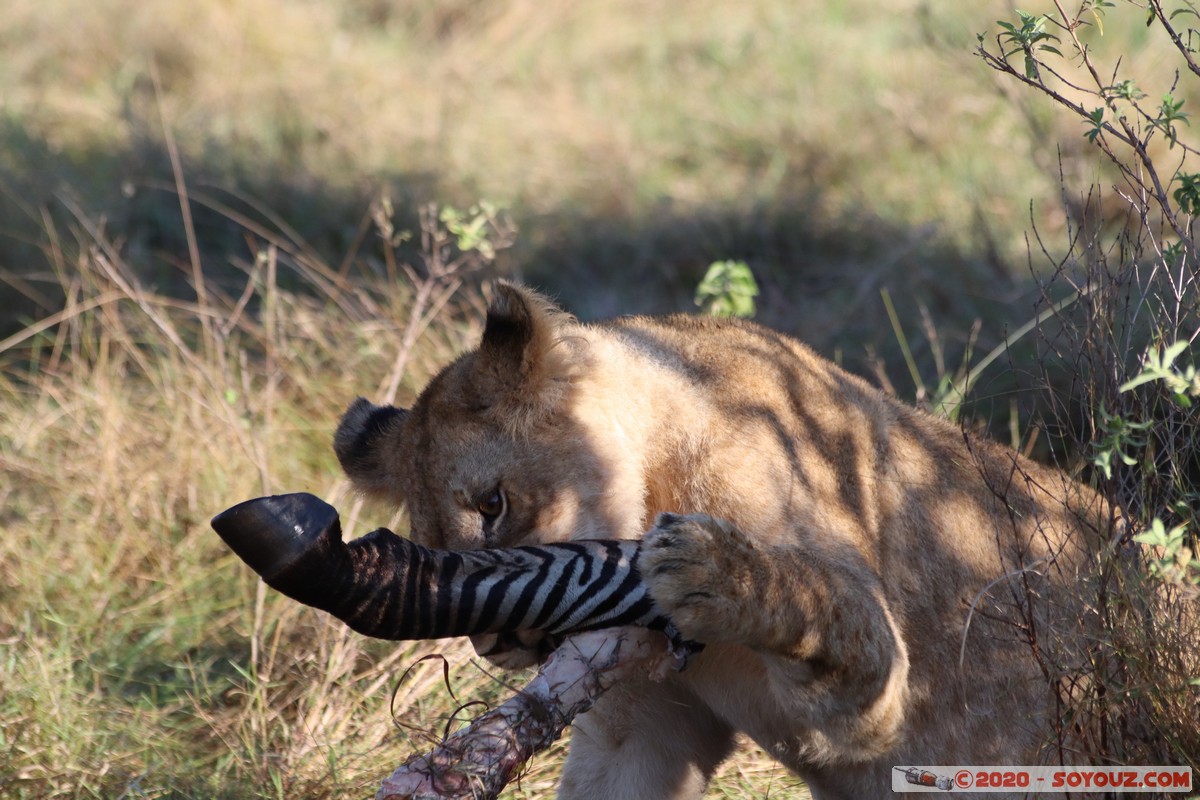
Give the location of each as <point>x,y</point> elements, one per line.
<point>478,761</point>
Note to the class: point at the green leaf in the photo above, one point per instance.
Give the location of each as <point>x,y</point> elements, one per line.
<point>1188,193</point>
<point>1126,90</point>
<point>471,228</point>
<point>1097,120</point>
<point>1097,8</point>
<point>728,289</point>
<point>1173,352</point>
<point>1145,377</point>
<point>1170,540</point>
<point>1156,536</point>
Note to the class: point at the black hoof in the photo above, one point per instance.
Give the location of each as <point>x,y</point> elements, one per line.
<point>272,533</point>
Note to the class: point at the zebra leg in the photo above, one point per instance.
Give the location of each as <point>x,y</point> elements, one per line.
<point>390,587</point>
<point>645,740</point>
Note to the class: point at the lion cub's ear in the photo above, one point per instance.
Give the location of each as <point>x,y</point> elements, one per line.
<point>366,435</point>
<point>521,358</point>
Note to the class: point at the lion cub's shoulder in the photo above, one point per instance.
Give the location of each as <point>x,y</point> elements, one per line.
<point>718,350</point>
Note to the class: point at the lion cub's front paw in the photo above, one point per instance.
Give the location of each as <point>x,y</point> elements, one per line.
<point>700,572</point>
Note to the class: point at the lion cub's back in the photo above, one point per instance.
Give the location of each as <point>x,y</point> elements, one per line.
<point>737,357</point>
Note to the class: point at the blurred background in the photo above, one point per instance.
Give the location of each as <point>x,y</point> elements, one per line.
<point>206,213</point>
<point>837,147</point>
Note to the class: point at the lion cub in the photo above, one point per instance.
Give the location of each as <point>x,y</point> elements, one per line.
<point>873,584</point>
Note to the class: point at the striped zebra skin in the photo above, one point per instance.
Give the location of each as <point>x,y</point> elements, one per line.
<point>389,587</point>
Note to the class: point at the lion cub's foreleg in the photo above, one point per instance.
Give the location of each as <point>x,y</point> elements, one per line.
<point>815,613</point>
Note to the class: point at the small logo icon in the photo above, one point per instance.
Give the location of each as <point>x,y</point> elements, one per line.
<point>923,777</point>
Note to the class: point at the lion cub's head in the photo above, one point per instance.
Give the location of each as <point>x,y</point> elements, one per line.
<point>497,450</point>
<point>492,452</point>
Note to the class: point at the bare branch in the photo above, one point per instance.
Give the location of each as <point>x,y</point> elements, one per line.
<point>1146,178</point>
<point>478,761</point>
<point>1156,5</point>
<point>1000,65</point>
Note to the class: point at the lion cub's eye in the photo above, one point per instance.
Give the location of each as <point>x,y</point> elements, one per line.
<point>491,505</point>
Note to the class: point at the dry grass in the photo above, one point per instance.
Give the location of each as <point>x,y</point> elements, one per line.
<point>137,652</point>
<point>837,148</point>
<point>138,657</point>
<point>859,111</point>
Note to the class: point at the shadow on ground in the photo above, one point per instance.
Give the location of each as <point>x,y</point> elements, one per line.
<point>821,278</point>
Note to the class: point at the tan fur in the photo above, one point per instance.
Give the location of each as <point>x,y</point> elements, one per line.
<point>829,544</point>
